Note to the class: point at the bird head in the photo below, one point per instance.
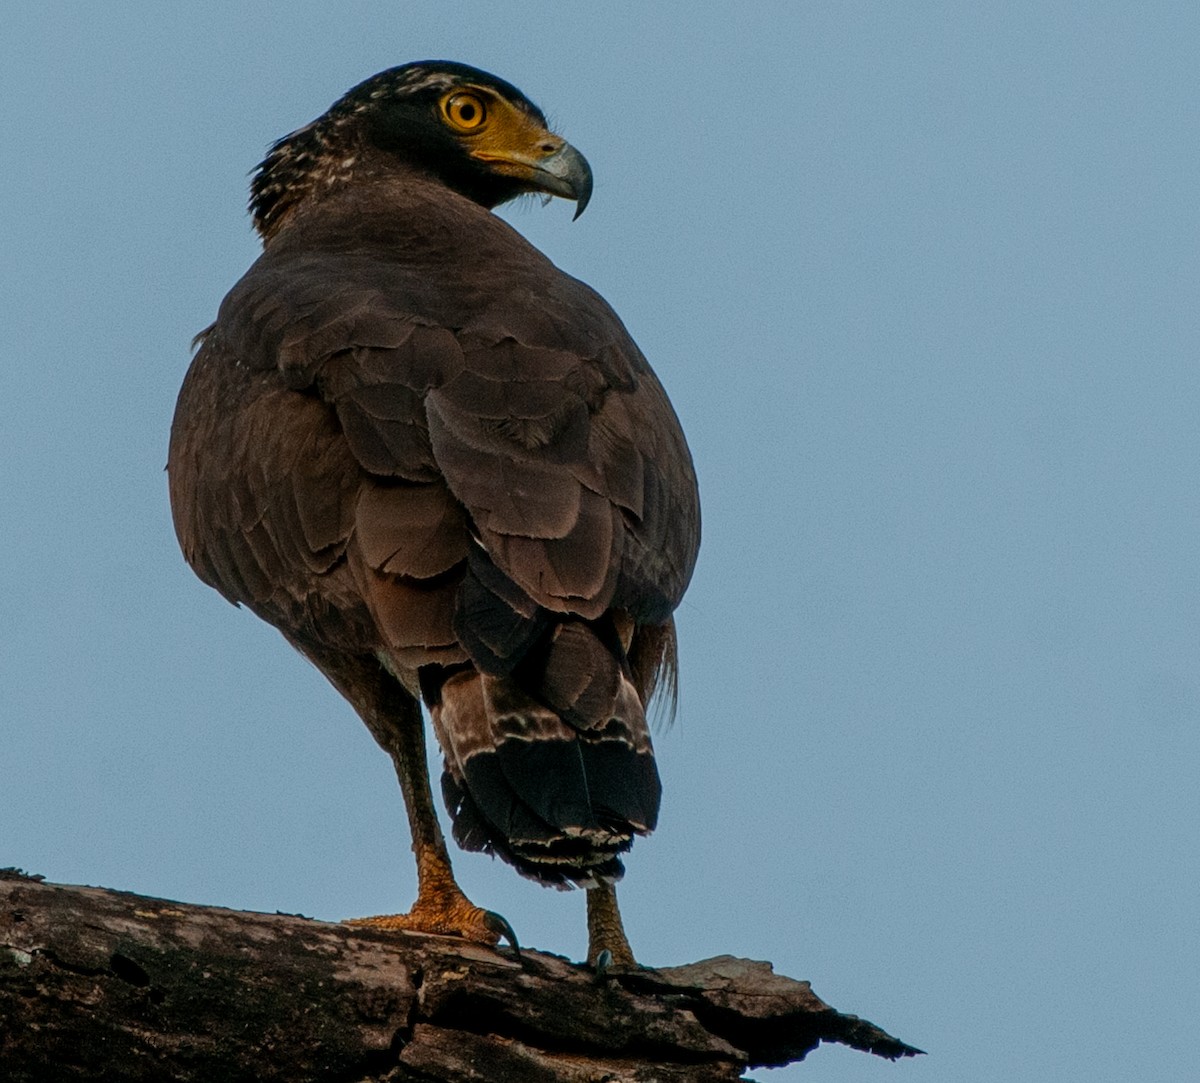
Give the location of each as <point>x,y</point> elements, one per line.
<point>472,131</point>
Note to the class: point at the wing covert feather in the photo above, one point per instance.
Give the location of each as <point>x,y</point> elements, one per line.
<point>512,408</point>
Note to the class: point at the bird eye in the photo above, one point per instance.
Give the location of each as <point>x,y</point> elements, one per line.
<point>464,111</point>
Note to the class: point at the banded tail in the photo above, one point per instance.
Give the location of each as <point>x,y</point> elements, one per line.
<point>550,766</point>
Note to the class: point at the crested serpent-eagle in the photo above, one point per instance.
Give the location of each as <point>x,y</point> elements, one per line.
<point>444,471</point>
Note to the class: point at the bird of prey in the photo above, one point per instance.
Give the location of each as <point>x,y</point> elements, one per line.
<point>441,467</point>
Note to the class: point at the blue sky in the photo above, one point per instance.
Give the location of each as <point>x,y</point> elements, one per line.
<point>921,281</point>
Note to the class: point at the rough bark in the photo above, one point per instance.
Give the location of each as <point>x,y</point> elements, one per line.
<point>105,985</point>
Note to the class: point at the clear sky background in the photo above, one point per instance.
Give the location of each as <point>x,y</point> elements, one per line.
<point>921,280</point>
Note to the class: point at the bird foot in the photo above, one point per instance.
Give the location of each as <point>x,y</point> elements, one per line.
<point>608,946</point>
<point>616,957</point>
<point>455,916</point>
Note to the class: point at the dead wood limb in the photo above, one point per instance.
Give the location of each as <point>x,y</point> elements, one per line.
<point>105,985</point>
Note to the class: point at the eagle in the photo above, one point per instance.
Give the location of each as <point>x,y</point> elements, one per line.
<point>443,470</point>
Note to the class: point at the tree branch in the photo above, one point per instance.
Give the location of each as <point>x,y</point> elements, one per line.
<point>105,985</point>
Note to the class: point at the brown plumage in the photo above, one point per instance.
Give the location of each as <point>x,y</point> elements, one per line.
<point>441,467</point>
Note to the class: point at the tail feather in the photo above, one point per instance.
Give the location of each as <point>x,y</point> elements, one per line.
<point>550,767</point>
<point>562,862</point>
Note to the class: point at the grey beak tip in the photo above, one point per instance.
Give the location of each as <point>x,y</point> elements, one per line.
<point>583,191</point>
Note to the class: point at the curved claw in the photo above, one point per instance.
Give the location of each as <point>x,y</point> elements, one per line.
<point>603,961</point>
<point>497,924</point>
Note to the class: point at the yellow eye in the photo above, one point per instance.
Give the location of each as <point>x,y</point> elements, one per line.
<point>464,111</point>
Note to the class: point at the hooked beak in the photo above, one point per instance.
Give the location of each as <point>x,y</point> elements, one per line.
<point>566,173</point>
<point>555,167</point>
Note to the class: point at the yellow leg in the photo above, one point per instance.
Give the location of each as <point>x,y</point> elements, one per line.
<point>441,906</point>
<point>394,718</point>
<point>605,931</point>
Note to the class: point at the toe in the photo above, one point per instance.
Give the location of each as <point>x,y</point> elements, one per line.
<point>456,917</point>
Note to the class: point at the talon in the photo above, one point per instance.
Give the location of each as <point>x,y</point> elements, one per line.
<point>603,962</point>
<point>497,924</point>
